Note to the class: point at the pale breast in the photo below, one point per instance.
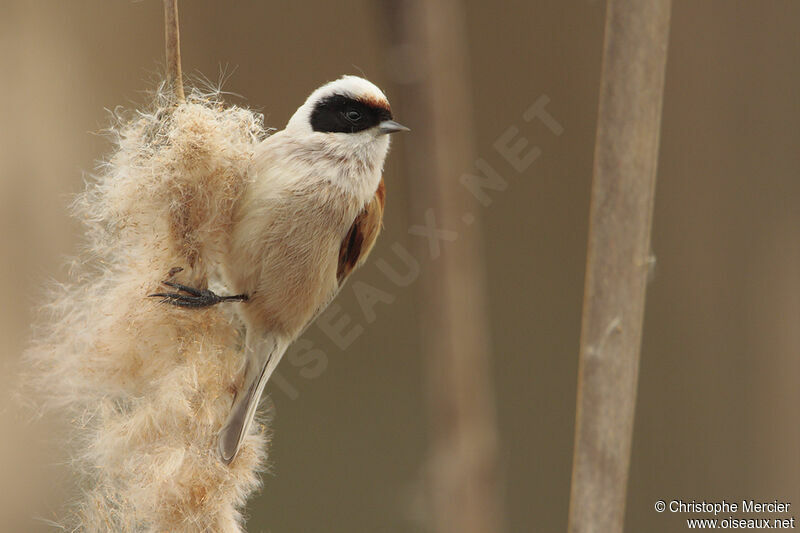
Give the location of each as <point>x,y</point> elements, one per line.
<point>286,251</point>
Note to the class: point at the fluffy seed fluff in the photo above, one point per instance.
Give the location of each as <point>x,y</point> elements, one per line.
<point>149,385</point>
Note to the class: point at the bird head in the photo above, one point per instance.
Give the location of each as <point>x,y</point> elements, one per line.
<point>351,112</point>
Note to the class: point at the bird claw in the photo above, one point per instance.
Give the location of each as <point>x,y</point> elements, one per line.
<point>194,298</point>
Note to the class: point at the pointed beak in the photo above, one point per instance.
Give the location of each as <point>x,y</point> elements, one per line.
<point>390,126</point>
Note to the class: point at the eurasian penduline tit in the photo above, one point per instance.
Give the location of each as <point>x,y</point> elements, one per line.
<point>310,215</point>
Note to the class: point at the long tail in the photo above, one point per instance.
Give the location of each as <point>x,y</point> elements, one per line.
<point>261,362</point>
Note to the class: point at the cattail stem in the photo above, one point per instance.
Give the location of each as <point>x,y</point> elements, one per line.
<point>173,47</point>
<point>623,187</point>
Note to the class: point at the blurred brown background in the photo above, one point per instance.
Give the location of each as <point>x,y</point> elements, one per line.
<point>718,395</point>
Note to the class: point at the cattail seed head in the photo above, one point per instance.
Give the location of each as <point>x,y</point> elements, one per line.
<point>149,385</point>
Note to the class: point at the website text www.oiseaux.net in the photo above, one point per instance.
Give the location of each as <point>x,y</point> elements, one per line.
<point>724,512</point>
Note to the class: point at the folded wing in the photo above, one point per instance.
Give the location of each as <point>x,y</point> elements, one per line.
<point>360,239</point>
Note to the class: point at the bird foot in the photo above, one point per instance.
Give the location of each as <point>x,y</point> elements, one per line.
<point>190,297</point>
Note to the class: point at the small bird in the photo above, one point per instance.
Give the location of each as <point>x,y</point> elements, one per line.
<point>308,217</point>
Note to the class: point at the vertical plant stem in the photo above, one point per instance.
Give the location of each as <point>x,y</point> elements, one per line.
<point>625,161</point>
<point>463,477</point>
<point>172,36</point>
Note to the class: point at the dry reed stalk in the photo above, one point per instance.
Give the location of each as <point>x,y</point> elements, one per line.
<point>623,188</point>
<point>172,40</point>
<point>463,478</point>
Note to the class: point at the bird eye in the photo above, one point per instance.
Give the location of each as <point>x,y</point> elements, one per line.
<point>353,115</point>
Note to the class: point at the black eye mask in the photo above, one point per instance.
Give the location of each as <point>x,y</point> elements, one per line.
<point>342,114</point>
